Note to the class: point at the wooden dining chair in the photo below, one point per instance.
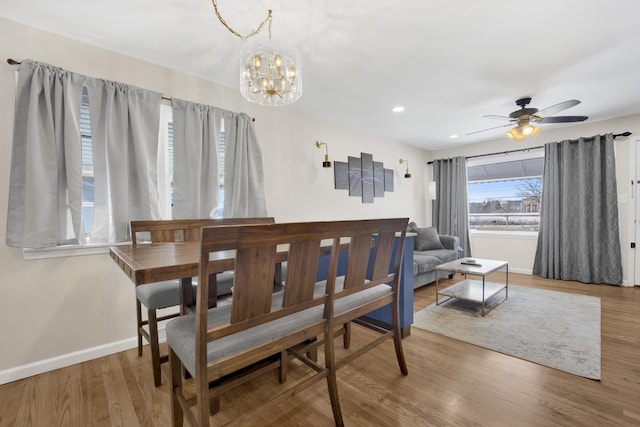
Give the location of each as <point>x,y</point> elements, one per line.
<point>228,345</point>
<point>159,295</point>
<point>371,281</point>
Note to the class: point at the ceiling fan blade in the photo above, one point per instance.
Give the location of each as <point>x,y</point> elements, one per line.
<point>564,119</point>
<point>495,127</point>
<point>549,111</point>
<point>493,116</point>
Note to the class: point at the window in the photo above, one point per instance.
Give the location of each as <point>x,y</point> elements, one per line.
<point>219,211</point>
<point>87,165</point>
<point>505,195</point>
<point>165,165</point>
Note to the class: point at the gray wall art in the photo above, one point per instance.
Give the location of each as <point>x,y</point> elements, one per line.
<point>363,177</point>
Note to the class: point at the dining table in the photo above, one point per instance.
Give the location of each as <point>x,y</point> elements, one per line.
<point>156,262</point>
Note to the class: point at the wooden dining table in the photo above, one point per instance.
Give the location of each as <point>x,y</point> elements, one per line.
<point>157,262</point>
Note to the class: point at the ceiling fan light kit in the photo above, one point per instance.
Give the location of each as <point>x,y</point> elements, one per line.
<point>525,118</point>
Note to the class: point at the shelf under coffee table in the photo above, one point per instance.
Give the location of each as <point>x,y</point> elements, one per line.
<point>474,290</point>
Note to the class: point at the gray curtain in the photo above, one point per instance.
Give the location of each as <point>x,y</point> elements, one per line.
<point>450,214</point>
<point>45,194</point>
<point>45,189</point>
<point>125,122</point>
<point>196,132</point>
<point>243,174</point>
<point>579,233</point>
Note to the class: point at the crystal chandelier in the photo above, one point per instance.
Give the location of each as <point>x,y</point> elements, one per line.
<point>268,76</point>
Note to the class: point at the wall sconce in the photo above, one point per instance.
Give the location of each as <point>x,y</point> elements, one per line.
<point>406,174</point>
<point>326,163</point>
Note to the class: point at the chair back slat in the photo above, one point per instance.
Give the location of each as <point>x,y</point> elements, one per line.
<point>382,255</point>
<point>302,268</point>
<point>253,282</point>
<point>359,252</point>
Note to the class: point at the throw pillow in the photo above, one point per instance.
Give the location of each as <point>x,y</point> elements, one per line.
<point>411,227</point>
<point>427,239</point>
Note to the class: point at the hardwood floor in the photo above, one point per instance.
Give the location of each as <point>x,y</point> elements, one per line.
<point>450,383</point>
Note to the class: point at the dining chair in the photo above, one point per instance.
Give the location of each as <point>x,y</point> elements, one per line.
<point>159,295</point>
<point>228,345</point>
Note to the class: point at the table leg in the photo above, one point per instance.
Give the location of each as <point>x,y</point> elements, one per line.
<point>506,282</point>
<point>482,296</point>
<point>437,303</point>
<point>186,294</point>
<point>213,291</point>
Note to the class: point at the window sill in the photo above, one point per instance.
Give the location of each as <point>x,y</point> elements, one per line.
<point>526,235</point>
<point>69,251</point>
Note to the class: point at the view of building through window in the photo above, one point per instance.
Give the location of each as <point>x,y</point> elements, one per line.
<point>505,196</point>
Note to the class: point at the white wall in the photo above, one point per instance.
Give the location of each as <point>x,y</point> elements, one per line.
<point>520,251</point>
<point>53,307</point>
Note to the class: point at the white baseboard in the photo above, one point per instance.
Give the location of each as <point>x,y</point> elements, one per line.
<point>64,360</point>
<point>521,271</point>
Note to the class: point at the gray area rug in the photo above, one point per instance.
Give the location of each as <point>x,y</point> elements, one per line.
<point>555,329</point>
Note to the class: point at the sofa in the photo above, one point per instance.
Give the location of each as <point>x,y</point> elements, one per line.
<point>430,250</point>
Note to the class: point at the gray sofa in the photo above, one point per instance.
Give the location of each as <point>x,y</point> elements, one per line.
<point>430,250</point>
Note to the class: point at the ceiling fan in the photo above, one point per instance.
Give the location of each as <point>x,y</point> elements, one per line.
<point>524,119</point>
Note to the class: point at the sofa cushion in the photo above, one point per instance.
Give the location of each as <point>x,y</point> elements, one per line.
<point>427,239</point>
<point>426,261</point>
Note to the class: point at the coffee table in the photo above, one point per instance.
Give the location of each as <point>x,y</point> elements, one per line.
<point>474,290</point>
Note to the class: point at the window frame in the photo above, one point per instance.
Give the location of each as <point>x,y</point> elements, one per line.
<point>502,158</point>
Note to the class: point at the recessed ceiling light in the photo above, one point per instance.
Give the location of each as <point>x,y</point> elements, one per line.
<point>398,109</point>
<point>453,136</point>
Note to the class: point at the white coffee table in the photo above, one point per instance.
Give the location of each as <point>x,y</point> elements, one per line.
<point>474,290</point>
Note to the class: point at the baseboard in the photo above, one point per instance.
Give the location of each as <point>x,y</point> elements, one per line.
<point>521,270</point>
<point>64,360</point>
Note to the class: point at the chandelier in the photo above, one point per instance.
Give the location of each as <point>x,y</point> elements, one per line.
<point>269,75</point>
<point>522,130</point>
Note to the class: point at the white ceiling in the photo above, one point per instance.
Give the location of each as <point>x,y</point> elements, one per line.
<point>447,62</point>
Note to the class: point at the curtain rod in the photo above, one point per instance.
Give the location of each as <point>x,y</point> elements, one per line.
<point>11,61</point>
<point>521,150</point>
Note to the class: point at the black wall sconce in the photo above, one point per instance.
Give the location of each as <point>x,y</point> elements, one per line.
<point>406,174</point>
<point>326,163</point>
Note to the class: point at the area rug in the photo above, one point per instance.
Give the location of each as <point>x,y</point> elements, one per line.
<point>555,329</point>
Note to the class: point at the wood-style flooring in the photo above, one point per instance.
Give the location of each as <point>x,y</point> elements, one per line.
<point>450,383</point>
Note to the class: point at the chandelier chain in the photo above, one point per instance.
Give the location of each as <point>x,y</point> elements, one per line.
<point>237,34</point>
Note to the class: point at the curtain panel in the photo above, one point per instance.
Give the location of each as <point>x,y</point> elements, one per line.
<point>45,194</point>
<point>125,122</point>
<point>196,133</point>
<point>243,173</point>
<point>579,232</point>
<point>45,189</point>
<point>450,213</point>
